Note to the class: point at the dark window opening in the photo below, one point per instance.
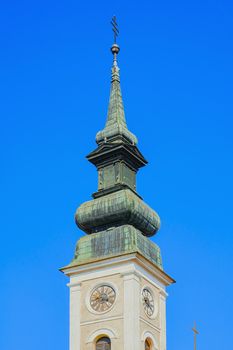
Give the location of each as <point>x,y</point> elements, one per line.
<point>103,343</point>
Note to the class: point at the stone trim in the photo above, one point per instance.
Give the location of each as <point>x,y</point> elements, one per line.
<point>109,332</point>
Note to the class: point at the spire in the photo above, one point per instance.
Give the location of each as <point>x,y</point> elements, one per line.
<point>116,205</point>
<point>116,127</point>
<point>116,114</point>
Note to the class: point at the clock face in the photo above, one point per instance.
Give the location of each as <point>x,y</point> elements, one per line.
<point>102,298</point>
<point>148,302</point>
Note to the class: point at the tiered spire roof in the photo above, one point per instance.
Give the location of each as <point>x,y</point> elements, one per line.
<point>117,159</point>
<point>117,220</point>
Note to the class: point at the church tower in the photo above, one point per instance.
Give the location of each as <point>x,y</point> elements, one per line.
<point>117,282</point>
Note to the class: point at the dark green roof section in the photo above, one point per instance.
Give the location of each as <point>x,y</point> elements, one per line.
<point>115,242</point>
<point>116,123</point>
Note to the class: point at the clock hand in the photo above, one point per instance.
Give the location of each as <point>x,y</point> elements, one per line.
<point>97,297</point>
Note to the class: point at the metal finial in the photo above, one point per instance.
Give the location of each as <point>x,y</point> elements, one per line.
<point>115,28</point>
<point>195,332</point>
<point>115,48</point>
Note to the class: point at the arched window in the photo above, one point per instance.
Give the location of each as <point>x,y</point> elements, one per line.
<point>103,343</point>
<point>148,344</point>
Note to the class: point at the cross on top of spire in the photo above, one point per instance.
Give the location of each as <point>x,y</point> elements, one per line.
<point>115,48</point>
<point>194,329</point>
<point>115,28</point>
<point>195,332</point>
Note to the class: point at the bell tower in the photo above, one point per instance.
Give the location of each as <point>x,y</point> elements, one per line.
<point>117,282</point>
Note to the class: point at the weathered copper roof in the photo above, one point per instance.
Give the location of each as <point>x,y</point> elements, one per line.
<point>116,123</point>
<point>118,241</point>
<point>115,209</point>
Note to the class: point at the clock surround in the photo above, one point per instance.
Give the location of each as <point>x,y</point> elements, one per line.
<point>102,298</point>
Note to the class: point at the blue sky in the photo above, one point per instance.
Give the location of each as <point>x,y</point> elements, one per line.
<point>176,72</point>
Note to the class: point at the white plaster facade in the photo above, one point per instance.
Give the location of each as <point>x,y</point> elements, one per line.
<point>126,322</point>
